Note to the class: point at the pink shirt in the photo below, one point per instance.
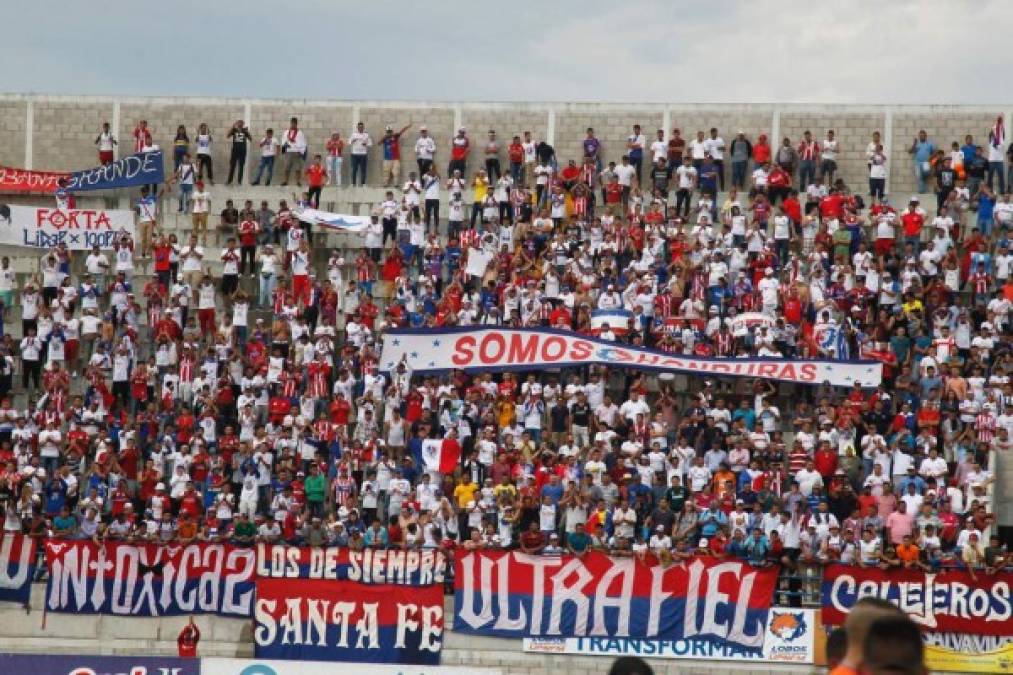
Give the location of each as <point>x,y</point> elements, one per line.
<point>899,524</point>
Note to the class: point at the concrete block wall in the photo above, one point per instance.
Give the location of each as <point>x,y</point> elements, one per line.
<point>57,132</point>
<point>612,125</point>
<point>64,133</point>
<point>853,132</point>
<point>944,125</point>
<point>164,116</point>
<point>13,116</point>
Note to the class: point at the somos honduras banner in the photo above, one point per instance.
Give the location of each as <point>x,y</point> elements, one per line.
<point>79,229</point>
<point>334,604</point>
<point>17,557</point>
<point>491,349</point>
<point>949,602</point>
<point>149,579</point>
<point>509,594</point>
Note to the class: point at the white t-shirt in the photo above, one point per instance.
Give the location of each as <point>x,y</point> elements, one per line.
<point>360,143</point>
<point>715,147</point>
<point>686,174</point>
<point>192,257</point>
<point>425,147</point>
<point>659,150</point>
<point>625,174</point>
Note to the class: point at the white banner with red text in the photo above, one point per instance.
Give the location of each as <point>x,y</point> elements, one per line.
<point>494,348</point>
<point>79,229</point>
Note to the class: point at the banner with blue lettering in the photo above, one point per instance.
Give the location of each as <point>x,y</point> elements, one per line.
<point>348,621</point>
<point>394,566</point>
<point>17,557</point>
<point>511,594</point>
<point>78,229</point>
<point>144,168</point>
<point>149,579</point>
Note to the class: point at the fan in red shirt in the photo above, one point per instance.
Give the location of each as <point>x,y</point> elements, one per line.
<point>191,502</point>
<point>832,206</point>
<point>825,459</point>
<point>187,640</point>
<point>792,208</point>
<point>912,221</point>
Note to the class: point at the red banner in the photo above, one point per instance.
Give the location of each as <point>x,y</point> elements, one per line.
<point>950,601</point>
<point>310,620</point>
<point>26,180</point>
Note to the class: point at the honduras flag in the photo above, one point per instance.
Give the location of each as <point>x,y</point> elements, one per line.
<point>332,221</point>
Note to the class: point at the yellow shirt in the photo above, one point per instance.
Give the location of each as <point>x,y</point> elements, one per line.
<point>481,186</point>
<point>464,493</point>
<point>506,413</point>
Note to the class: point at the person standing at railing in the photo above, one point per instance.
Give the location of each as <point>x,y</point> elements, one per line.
<point>106,143</point>
<point>268,151</point>
<point>188,639</point>
<point>335,146</point>
<point>359,143</point>
<point>293,146</point>
<point>241,137</point>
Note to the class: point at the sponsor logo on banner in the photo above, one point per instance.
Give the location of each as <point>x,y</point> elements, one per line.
<point>489,349</point>
<point>414,568</point>
<point>148,579</point>
<point>963,653</point>
<point>216,666</point>
<point>53,664</point>
<point>789,639</point>
<point>78,229</point>
<point>17,555</point>
<point>511,594</point>
<point>348,621</point>
<point>144,168</point>
<point>950,601</point>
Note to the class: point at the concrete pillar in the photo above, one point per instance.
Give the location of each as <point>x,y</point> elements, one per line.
<point>775,129</point>
<point>888,146</point>
<point>666,121</point>
<point>114,128</point>
<point>29,132</point>
<point>247,111</point>
<point>458,119</point>
<point>550,127</point>
<point>355,119</point>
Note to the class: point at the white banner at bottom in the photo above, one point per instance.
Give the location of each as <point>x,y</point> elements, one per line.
<point>789,638</point>
<point>276,667</point>
<point>78,229</point>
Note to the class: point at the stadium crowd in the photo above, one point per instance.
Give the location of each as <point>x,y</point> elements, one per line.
<point>248,406</point>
